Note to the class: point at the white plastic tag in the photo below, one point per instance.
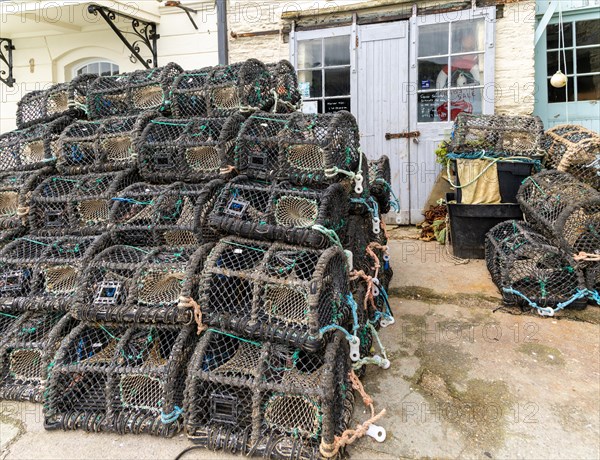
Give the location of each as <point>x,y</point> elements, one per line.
<point>387,321</point>
<point>354,348</point>
<point>350,258</point>
<point>382,362</point>
<point>376,225</point>
<point>358,179</point>
<point>377,432</point>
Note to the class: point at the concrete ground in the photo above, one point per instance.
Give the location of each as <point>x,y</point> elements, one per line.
<point>469,379</point>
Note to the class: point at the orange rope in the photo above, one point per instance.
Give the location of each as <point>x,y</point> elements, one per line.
<point>369,294</point>
<point>384,228</point>
<point>372,255</point>
<point>587,257</point>
<point>188,302</point>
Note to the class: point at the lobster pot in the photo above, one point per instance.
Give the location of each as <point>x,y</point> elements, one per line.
<point>176,214</point>
<point>272,291</point>
<point>284,83</point>
<point>576,150</point>
<point>41,273</point>
<point>8,235</point>
<point>188,97</point>
<point>76,205</point>
<point>26,355</point>
<point>380,178</point>
<point>521,260</point>
<point>137,284</point>
<point>302,148</point>
<point>15,193</point>
<point>502,135</point>
<point>267,400</point>
<point>190,150</point>
<point>592,277</point>
<point>119,379</point>
<point>8,319</point>
<point>43,106</point>
<point>130,93</point>
<point>31,148</point>
<point>280,212</point>
<point>564,209</point>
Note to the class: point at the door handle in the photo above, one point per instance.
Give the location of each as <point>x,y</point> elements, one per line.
<point>404,135</point>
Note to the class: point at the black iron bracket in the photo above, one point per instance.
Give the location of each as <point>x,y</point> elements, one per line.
<point>6,56</point>
<point>144,32</point>
<point>187,10</point>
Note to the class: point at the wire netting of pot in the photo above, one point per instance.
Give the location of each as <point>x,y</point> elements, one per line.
<point>531,272</point>
<point>271,291</point>
<point>380,178</point>
<point>42,273</point>
<point>576,150</point>
<point>502,135</point>
<point>190,150</point>
<point>33,147</point>
<point>131,93</point>
<point>8,319</point>
<point>9,235</point>
<point>26,355</point>
<point>15,193</point>
<point>137,284</point>
<point>177,214</point>
<point>281,212</point>
<point>284,82</point>
<point>76,205</point>
<point>564,209</point>
<point>109,377</point>
<point>188,96</point>
<point>267,400</point>
<point>306,149</point>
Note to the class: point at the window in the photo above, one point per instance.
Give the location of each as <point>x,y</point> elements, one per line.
<point>450,74</point>
<point>580,61</point>
<point>324,73</point>
<point>104,68</point>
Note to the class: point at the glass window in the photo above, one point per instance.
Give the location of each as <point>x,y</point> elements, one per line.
<point>579,60</point>
<point>324,73</point>
<point>104,68</point>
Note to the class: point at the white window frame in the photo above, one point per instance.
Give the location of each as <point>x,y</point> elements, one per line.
<point>94,61</point>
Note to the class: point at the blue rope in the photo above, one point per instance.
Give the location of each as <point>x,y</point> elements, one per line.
<point>354,308</point>
<point>394,202</point>
<point>382,292</point>
<point>333,327</point>
<point>595,295</point>
<point>549,311</point>
<point>355,326</point>
<point>173,416</point>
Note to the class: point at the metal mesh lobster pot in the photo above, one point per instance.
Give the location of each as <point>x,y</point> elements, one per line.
<point>190,150</point>
<point>281,212</point>
<point>43,106</point>
<point>564,209</point>
<point>41,273</point>
<point>267,400</point>
<point>15,193</point>
<point>26,354</point>
<point>301,148</point>
<point>576,150</point>
<point>176,214</point>
<point>380,177</point>
<point>130,93</point>
<point>272,291</point>
<point>530,271</point>
<point>31,148</point>
<point>502,135</point>
<point>119,379</point>
<point>188,96</point>
<point>137,284</point>
<point>76,205</point>
<point>284,83</point>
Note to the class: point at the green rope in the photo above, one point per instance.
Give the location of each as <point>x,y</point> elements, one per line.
<point>333,237</point>
<point>258,344</point>
<point>108,332</point>
<point>137,249</point>
<point>7,315</point>
<point>156,122</point>
<point>268,119</point>
<point>244,246</point>
<point>35,242</point>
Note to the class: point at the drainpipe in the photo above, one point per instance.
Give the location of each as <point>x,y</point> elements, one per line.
<point>222,32</point>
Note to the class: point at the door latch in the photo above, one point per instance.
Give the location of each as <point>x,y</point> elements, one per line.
<point>404,135</point>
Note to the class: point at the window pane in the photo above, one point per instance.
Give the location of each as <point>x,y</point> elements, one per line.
<point>433,73</point>
<point>335,105</point>
<point>433,40</point>
<point>467,70</point>
<point>467,36</point>
<point>558,94</point>
<point>94,67</point>
<point>588,88</point>
<point>462,100</point>
<point>588,60</point>
<point>115,69</point>
<point>80,71</point>
<point>428,105</point>
<point>553,62</point>
<point>552,35</point>
<point>587,32</point>
<point>337,82</point>
<point>337,50</point>
<point>310,83</point>
<point>105,68</point>
<point>309,53</point>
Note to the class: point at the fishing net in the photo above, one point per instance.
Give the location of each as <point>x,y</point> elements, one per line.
<point>264,399</point>
<point>502,135</point>
<point>26,354</point>
<point>281,212</point>
<point>592,279</point>
<point>176,214</point>
<point>131,93</point>
<point>564,209</point>
<point>15,194</point>
<point>119,379</point>
<point>576,150</point>
<point>191,150</point>
<point>41,273</point>
<point>380,178</point>
<point>76,204</point>
<point>284,83</point>
<point>31,148</point>
<point>137,284</point>
<point>272,291</point>
<point>531,272</point>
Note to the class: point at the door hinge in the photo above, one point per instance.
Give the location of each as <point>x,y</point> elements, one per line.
<point>404,135</point>
<point>356,41</point>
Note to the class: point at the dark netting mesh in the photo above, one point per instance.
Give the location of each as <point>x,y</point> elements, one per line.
<point>31,148</point>
<point>122,379</point>
<point>176,214</point>
<point>131,93</point>
<point>272,291</point>
<point>41,273</point>
<point>564,209</point>
<point>502,135</point>
<point>137,284</point>
<point>592,279</point>
<point>15,194</point>
<point>281,212</point>
<point>8,319</point>
<point>576,150</point>
<point>284,83</point>
<point>26,354</point>
<point>188,97</point>
<point>76,204</point>
<point>193,149</point>
<point>380,178</point>
<point>267,400</point>
<point>9,235</point>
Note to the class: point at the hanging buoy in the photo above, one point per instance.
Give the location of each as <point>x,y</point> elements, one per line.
<point>558,80</point>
